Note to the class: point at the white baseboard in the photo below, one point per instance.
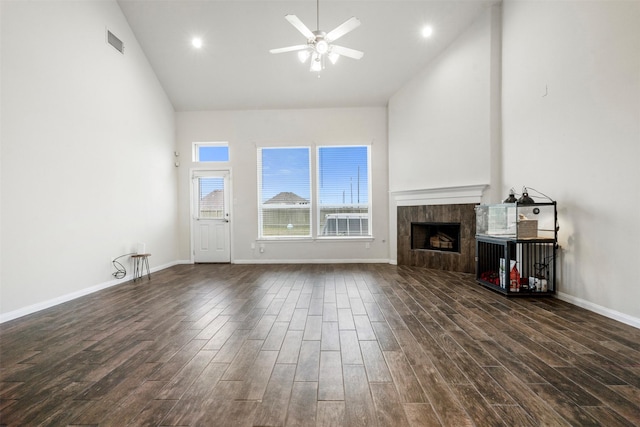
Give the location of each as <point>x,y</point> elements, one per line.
<point>607,312</point>
<point>311,261</point>
<point>24,311</point>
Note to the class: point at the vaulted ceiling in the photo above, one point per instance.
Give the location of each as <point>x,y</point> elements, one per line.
<point>234,69</point>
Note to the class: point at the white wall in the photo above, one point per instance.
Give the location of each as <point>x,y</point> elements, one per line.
<point>440,121</point>
<point>87,153</point>
<point>571,113</point>
<point>444,123</point>
<point>247,130</point>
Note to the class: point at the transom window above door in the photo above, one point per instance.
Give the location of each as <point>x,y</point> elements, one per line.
<point>210,151</point>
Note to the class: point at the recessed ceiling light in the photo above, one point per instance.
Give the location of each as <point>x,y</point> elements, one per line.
<point>196,42</point>
<point>427,31</point>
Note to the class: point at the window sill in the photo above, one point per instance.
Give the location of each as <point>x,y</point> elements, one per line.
<point>345,239</point>
<point>316,239</point>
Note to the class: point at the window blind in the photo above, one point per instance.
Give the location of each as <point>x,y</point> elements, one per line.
<point>343,191</point>
<point>284,192</point>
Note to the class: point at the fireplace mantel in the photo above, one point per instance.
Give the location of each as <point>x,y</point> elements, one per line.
<point>440,196</point>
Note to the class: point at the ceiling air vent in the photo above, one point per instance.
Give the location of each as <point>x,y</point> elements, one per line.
<point>115,42</point>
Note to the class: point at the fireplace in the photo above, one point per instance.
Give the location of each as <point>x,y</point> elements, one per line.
<point>435,236</point>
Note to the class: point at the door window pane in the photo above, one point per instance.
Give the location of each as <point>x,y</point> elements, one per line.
<point>211,197</point>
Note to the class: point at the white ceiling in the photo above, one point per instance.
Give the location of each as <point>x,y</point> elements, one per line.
<point>234,69</point>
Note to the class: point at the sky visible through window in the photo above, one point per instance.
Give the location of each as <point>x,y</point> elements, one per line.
<point>213,153</point>
<point>342,174</point>
<point>285,170</point>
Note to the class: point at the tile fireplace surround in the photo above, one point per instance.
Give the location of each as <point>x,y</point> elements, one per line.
<point>449,213</point>
<point>437,205</point>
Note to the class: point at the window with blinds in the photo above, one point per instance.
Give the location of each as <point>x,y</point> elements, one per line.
<point>284,192</point>
<point>210,197</point>
<point>343,191</point>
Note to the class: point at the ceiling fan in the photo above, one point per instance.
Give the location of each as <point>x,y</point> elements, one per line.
<point>320,44</point>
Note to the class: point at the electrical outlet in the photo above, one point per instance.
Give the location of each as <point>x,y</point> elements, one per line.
<point>367,245</point>
<point>253,246</point>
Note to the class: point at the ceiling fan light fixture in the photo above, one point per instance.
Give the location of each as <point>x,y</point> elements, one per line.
<point>303,55</point>
<point>316,66</point>
<point>316,62</point>
<point>322,46</point>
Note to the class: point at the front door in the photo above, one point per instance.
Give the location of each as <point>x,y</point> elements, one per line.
<point>210,223</point>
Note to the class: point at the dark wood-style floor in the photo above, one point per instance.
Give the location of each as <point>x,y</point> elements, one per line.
<point>297,345</point>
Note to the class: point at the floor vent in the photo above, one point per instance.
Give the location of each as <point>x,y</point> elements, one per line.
<point>115,42</point>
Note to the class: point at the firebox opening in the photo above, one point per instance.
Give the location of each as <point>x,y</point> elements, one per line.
<point>435,236</point>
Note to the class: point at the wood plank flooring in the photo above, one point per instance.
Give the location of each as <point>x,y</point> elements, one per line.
<point>316,345</point>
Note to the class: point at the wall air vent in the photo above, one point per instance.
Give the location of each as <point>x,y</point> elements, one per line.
<point>115,42</point>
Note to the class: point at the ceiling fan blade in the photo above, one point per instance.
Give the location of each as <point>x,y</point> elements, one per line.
<point>345,51</point>
<point>296,22</point>
<point>342,29</point>
<point>290,48</point>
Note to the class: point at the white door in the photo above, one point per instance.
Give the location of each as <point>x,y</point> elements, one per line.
<point>210,223</point>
